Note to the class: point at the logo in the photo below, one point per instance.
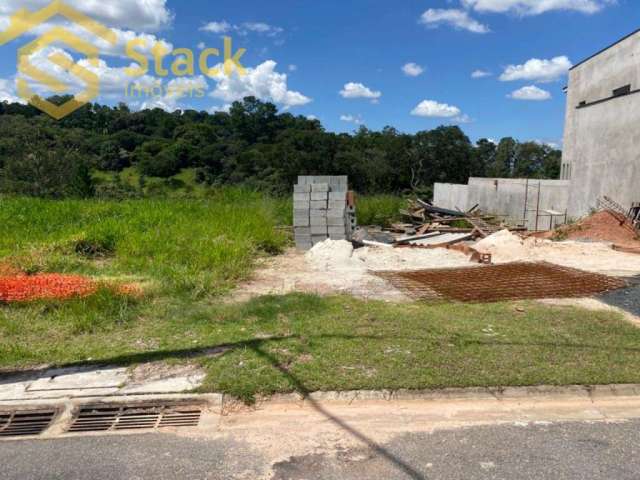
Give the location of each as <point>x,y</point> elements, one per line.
<point>24,21</point>
<point>184,60</point>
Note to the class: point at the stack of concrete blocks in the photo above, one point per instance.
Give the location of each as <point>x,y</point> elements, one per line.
<point>323,208</point>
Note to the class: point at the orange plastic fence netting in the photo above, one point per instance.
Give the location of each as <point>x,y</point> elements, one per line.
<point>24,288</point>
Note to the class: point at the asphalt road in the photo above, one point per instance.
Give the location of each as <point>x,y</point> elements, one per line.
<point>543,451</point>
<point>627,299</point>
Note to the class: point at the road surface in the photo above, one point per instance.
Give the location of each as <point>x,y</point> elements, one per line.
<point>540,450</point>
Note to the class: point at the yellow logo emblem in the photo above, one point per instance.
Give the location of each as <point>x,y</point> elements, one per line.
<point>24,21</point>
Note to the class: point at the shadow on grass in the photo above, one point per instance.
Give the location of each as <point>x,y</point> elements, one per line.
<point>219,350</point>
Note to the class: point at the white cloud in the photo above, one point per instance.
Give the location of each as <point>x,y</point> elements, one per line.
<point>551,144</point>
<point>358,90</point>
<point>480,74</point>
<point>458,19</point>
<point>536,7</point>
<point>530,93</point>
<point>115,83</point>
<point>201,46</point>
<point>260,28</point>
<point>311,117</point>
<point>262,82</point>
<point>177,89</point>
<point>293,68</point>
<point>140,15</point>
<point>8,91</point>
<point>431,108</point>
<point>217,27</point>
<point>412,69</point>
<point>538,70</point>
<point>123,37</point>
<point>355,119</point>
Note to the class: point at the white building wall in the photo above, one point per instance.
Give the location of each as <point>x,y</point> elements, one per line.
<point>601,153</point>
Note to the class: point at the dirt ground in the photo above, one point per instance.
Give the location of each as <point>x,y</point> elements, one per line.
<point>605,227</point>
<point>335,267</point>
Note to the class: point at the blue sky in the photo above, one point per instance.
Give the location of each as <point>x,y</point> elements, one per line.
<point>303,54</point>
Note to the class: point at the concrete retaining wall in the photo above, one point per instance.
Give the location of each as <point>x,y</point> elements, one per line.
<point>506,197</point>
<point>451,195</point>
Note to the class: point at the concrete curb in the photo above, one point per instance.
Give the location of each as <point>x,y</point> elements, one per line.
<point>541,392</point>
<point>574,401</point>
<point>223,401</point>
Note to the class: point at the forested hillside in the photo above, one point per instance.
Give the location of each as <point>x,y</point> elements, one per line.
<point>252,145</point>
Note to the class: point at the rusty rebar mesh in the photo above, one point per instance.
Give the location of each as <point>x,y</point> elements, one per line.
<point>512,281</point>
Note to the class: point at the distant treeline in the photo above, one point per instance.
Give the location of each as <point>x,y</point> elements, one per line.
<point>252,145</point>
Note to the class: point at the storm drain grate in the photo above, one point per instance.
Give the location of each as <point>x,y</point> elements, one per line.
<point>19,423</point>
<point>109,417</point>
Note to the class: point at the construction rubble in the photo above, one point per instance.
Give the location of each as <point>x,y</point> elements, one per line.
<point>438,253</point>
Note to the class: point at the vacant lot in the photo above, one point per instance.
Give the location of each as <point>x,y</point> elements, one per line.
<point>196,247</point>
<point>185,255</point>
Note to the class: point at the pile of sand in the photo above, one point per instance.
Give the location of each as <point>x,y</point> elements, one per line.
<point>603,226</point>
<point>504,246</point>
<point>340,256</point>
<point>596,257</point>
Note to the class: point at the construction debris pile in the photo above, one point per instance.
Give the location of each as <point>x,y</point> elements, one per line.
<point>364,264</point>
<point>433,227</point>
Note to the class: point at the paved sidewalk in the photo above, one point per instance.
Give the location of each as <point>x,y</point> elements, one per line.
<point>98,381</point>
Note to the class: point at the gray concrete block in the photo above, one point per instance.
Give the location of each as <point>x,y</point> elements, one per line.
<point>320,213</point>
<point>322,196</point>
<point>304,245</point>
<point>319,230</point>
<point>339,189</point>
<point>333,212</point>
<point>304,180</point>
<point>318,204</point>
<point>301,205</point>
<point>338,236</point>
<point>335,221</point>
<point>335,196</point>
<point>336,230</point>
<point>321,179</point>
<point>337,205</point>
<point>301,197</point>
<point>301,222</point>
<point>339,180</point>
<point>318,238</point>
<point>302,231</point>
<point>302,212</point>
<point>320,187</point>
<point>301,188</point>
<point>318,221</point>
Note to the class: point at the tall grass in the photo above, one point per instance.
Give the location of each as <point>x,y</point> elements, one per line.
<point>196,245</point>
<point>379,209</point>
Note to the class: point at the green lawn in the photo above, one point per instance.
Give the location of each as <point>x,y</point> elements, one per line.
<point>188,254</point>
<point>307,343</point>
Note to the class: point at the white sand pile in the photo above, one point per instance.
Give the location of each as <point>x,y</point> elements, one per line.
<point>596,257</point>
<point>504,246</point>
<point>340,256</point>
<point>333,255</point>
